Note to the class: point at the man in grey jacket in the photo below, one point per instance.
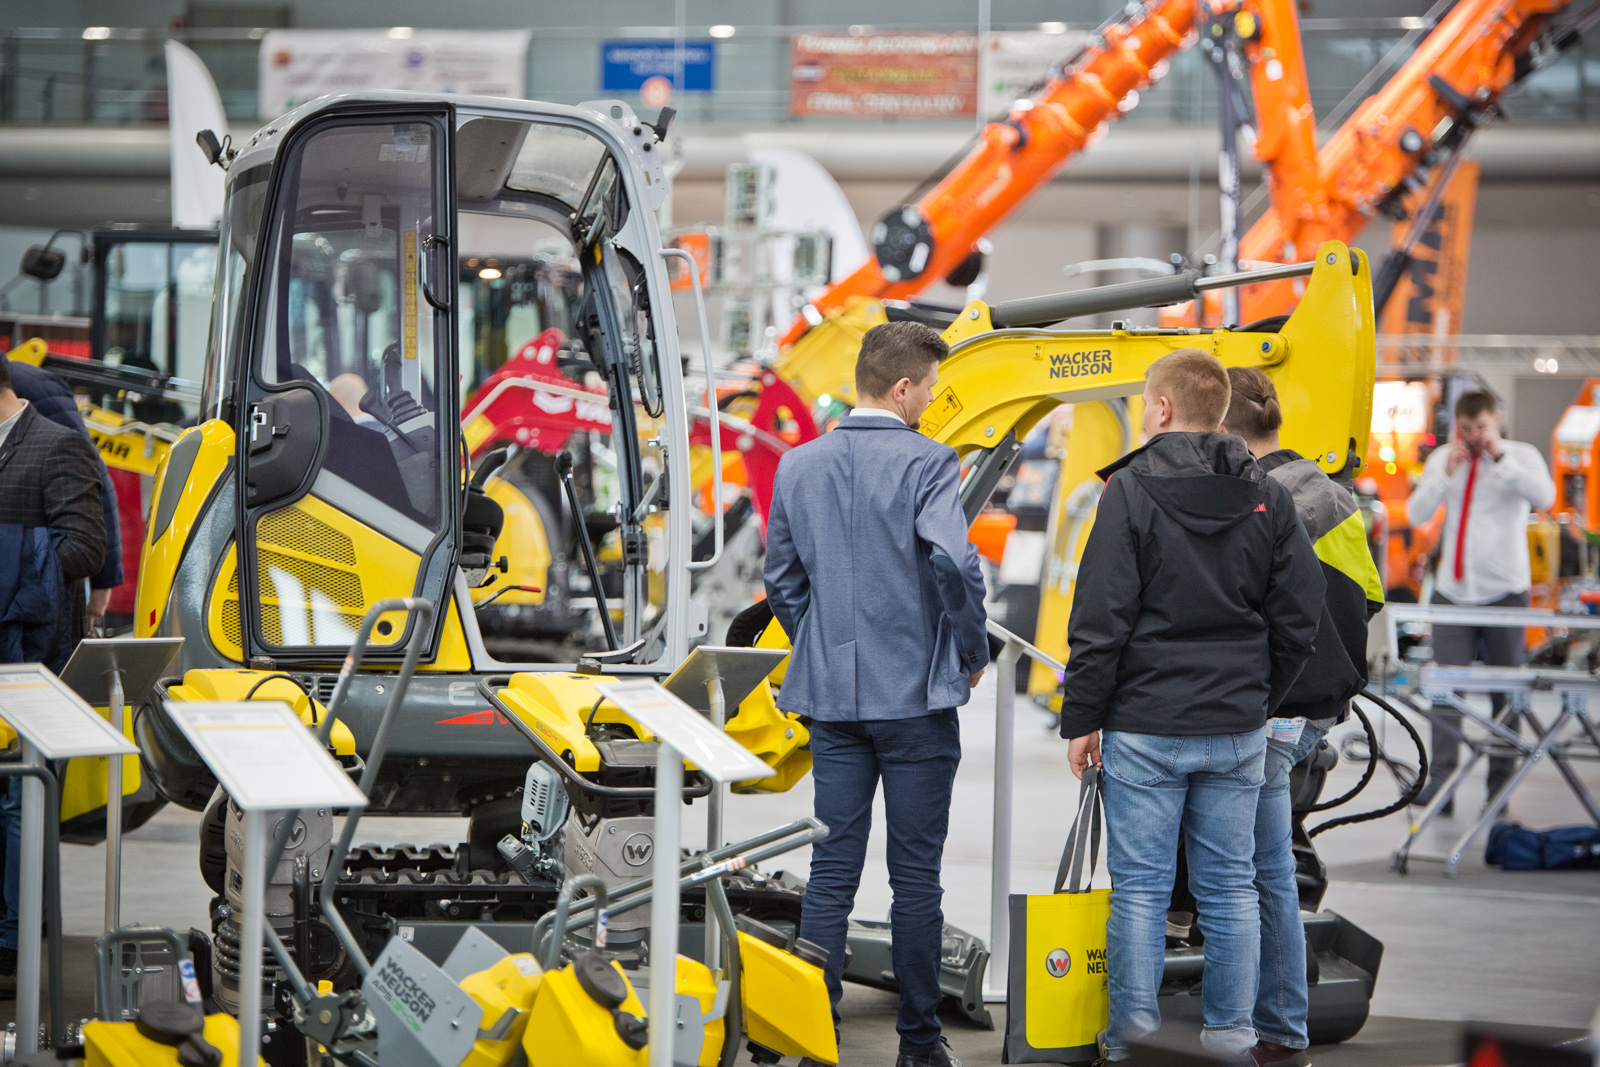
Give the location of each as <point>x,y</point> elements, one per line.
<point>870,573</point>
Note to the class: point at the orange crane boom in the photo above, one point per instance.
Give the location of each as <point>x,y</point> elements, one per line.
<point>919,242</point>
<point>1455,76</point>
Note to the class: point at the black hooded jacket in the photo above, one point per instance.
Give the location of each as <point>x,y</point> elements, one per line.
<point>1198,596</point>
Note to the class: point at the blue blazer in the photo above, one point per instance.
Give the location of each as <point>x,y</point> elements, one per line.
<point>870,573</point>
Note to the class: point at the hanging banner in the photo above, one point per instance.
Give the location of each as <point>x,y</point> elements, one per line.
<point>1014,63</point>
<point>884,75</point>
<point>1431,293</point>
<point>301,65</point>
<point>625,66</point>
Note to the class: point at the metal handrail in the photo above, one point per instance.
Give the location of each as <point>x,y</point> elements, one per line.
<point>1005,703</point>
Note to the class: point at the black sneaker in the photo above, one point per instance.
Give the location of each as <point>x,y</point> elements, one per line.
<point>938,1056</point>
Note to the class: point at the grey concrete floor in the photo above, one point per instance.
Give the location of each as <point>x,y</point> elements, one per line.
<point>1487,946</point>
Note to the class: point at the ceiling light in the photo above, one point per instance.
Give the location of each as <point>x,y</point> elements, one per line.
<point>399,33</point>
<point>489,274</point>
<point>96,33</point>
<point>722,30</point>
<point>861,29</point>
<point>1052,27</point>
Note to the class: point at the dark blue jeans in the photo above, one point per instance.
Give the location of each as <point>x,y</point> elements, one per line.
<point>916,759</point>
<point>10,859</point>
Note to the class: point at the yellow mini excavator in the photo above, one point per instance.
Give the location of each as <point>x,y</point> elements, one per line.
<point>290,517</point>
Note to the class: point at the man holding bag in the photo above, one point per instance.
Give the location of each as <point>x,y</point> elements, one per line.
<point>879,590</point>
<point>1197,601</point>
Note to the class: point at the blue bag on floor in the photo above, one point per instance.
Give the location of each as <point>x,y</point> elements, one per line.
<point>1513,847</point>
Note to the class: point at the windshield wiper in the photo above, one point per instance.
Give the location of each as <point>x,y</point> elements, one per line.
<point>564,472</point>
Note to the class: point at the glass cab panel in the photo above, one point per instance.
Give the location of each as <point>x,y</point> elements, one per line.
<point>349,440</point>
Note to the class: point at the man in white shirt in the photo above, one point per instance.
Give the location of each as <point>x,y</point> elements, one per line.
<point>1487,486</point>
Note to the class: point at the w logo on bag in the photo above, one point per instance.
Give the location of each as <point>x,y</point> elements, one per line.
<point>1058,962</point>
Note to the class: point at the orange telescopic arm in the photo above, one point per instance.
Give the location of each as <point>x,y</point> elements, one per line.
<point>1014,157</point>
<point>1468,59</point>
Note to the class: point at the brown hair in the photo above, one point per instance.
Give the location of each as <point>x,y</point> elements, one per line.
<point>1195,382</point>
<point>897,350</point>
<point>1471,404</point>
<point>1253,413</point>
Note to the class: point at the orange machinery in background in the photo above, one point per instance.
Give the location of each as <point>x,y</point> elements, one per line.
<point>917,244</point>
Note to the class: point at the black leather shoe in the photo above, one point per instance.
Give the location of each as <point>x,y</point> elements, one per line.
<point>938,1056</point>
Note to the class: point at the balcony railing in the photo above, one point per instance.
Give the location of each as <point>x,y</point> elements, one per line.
<point>117,77</point>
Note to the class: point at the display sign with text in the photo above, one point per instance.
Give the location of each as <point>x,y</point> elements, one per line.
<point>625,65</point>
<point>884,75</point>
<point>301,65</point>
<point>1015,63</point>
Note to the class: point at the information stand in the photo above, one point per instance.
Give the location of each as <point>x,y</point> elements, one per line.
<point>711,680</point>
<point>54,723</point>
<point>122,670</point>
<point>267,760</point>
<point>683,733</point>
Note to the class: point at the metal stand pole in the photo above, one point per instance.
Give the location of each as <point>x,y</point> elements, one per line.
<point>118,711</point>
<point>719,717</point>
<point>250,934</point>
<point>30,907</point>
<point>664,907</point>
<point>1005,729</point>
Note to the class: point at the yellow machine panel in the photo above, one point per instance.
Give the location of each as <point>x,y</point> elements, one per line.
<point>780,740</point>
<point>510,985</point>
<point>166,541</point>
<point>231,685</point>
<point>785,1002</point>
<point>121,1044</point>
<point>568,1027</point>
<point>696,980</point>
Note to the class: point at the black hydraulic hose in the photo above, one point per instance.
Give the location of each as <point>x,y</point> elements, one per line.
<point>564,472</point>
<point>1045,310</point>
<point>1409,795</point>
<point>52,888</point>
<point>1366,776</point>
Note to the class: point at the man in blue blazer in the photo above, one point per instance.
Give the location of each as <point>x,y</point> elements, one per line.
<point>870,573</point>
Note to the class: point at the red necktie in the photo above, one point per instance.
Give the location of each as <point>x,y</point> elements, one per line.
<point>1466,508</point>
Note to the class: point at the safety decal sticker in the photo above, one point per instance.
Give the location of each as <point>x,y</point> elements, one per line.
<point>945,407</point>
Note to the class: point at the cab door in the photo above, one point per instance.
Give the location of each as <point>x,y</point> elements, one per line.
<point>348,452</point>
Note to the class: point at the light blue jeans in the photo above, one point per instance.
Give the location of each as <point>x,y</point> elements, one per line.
<point>1282,1003</point>
<point>1209,786</point>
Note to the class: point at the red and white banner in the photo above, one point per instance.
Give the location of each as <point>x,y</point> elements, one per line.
<point>884,75</point>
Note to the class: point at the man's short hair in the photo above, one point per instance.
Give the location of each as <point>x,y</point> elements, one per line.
<point>897,350</point>
<point>1471,404</point>
<point>1195,382</point>
<point>1253,411</point>
<point>5,372</point>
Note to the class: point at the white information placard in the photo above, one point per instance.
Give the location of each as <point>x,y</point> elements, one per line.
<point>54,718</point>
<point>264,756</point>
<point>670,719</point>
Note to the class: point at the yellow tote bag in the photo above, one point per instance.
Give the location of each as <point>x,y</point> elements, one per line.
<point>1056,996</point>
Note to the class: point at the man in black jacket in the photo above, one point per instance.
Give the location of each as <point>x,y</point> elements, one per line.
<point>1197,600</point>
<point>52,398</point>
<point>52,537</point>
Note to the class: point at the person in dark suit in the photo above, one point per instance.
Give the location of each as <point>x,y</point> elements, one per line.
<point>52,398</point>
<point>52,537</point>
<point>870,573</point>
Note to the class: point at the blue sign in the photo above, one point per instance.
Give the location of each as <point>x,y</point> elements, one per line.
<point>627,65</point>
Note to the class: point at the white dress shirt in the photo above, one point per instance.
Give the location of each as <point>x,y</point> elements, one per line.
<point>1495,563</point>
<point>882,413</point>
<point>5,427</point>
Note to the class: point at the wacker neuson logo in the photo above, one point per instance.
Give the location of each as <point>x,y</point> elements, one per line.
<point>1058,961</point>
<point>638,849</point>
<point>405,994</point>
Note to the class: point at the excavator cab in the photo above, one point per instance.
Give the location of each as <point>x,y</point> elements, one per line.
<point>328,468</point>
